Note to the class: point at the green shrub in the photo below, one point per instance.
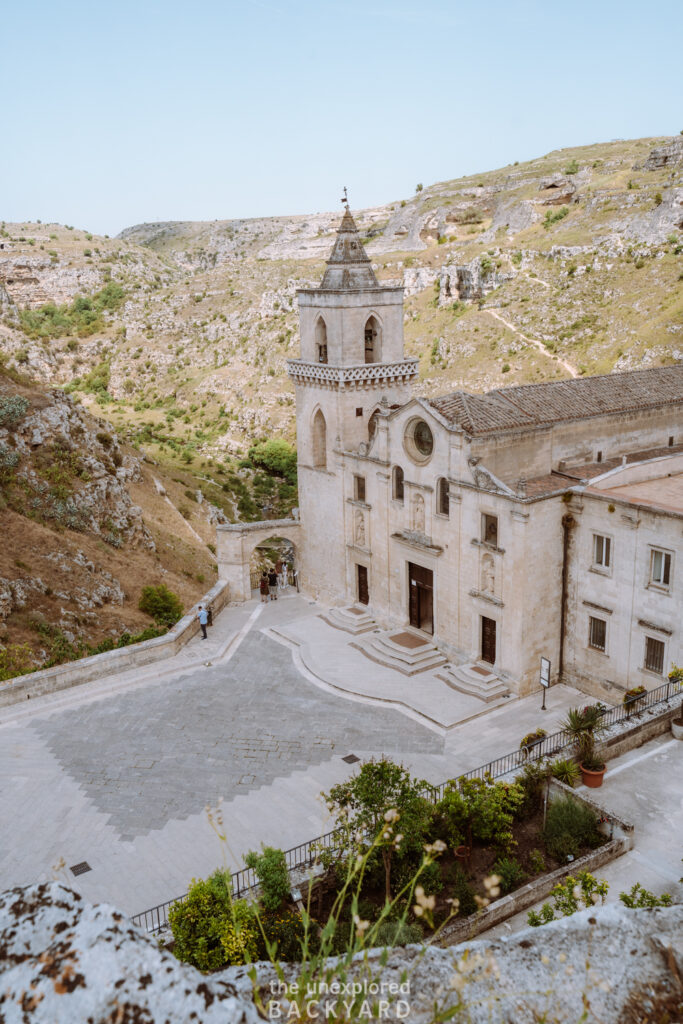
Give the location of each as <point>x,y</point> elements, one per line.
<point>285,929</point>
<point>511,873</point>
<point>83,316</point>
<point>397,933</point>
<point>658,198</point>
<point>480,809</point>
<point>161,603</point>
<point>276,456</point>
<point>569,826</point>
<point>464,893</point>
<point>271,870</point>
<point>553,216</point>
<point>240,935</point>
<point>537,864</point>
<point>638,897</point>
<point>572,167</point>
<point>571,895</point>
<point>199,921</point>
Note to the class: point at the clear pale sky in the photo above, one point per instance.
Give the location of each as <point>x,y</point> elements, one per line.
<point>114,114</point>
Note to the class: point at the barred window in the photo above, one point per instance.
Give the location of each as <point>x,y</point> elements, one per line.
<point>654,655</point>
<point>597,633</point>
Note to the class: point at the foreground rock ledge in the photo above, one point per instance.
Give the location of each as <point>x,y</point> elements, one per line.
<point>64,960</point>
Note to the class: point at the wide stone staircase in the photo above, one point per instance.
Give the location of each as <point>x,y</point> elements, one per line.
<point>406,652</point>
<point>353,619</point>
<point>477,680</point>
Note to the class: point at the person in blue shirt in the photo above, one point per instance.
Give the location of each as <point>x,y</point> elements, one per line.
<point>203,617</point>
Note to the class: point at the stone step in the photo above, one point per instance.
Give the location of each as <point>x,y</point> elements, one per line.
<point>406,652</point>
<point>476,680</point>
<point>352,619</point>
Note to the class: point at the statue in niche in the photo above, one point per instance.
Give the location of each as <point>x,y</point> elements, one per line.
<point>418,523</point>
<point>359,528</point>
<point>488,575</point>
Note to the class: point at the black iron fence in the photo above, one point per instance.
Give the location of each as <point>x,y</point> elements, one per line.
<point>156,919</point>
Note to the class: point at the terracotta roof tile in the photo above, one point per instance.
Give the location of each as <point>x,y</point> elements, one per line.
<point>535,405</point>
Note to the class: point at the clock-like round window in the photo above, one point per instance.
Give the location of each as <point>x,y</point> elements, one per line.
<point>419,440</point>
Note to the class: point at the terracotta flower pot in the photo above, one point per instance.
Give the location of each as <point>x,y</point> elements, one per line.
<point>591,778</point>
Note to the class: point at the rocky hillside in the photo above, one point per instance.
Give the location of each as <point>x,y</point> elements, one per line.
<point>86,524</point>
<point>568,264</point>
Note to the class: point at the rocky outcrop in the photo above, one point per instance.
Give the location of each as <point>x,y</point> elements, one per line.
<point>474,280</point>
<point>557,190</point>
<point>62,959</point>
<point>669,155</point>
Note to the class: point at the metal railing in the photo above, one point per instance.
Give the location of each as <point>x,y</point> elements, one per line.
<point>156,919</point>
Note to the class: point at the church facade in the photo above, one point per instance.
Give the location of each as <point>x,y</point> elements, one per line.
<point>521,524</point>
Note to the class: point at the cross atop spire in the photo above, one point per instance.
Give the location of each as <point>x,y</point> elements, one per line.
<point>349,266</point>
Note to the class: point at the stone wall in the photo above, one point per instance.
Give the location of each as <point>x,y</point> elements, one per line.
<point>74,673</point>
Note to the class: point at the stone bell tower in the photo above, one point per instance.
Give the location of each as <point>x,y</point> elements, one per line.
<point>351,358</point>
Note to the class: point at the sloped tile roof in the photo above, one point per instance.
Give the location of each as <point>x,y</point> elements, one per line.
<point>535,405</point>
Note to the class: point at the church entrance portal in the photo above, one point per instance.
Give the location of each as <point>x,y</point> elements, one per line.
<point>363,590</point>
<point>421,597</point>
<point>488,640</point>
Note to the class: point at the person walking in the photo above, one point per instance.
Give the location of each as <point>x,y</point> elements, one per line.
<point>263,586</point>
<point>203,617</point>
<point>272,584</point>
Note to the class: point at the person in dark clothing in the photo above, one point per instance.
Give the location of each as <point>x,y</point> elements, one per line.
<point>263,585</point>
<point>272,584</point>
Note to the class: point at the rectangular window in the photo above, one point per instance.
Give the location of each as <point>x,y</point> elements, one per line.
<point>654,655</point>
<point>597,633</point>
<point>602,551</point>
<point>359,488</point>
<point>489,529</point>
<point>359,411</point>
<point>660,568</point>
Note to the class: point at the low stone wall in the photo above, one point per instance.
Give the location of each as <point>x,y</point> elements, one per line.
<point>526,896</point>
<point>641,732</point>
<point>85,670</point>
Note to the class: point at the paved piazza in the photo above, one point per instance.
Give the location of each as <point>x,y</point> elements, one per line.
<point>119,772</point>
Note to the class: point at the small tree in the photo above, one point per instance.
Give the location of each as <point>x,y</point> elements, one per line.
<point>161,603</point>
<point>271,870</point>
<point>370,806</point>
<point>419,187</point>
<point>200,920</point>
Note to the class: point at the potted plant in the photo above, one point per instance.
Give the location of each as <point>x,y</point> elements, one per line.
<point>676,677</point>
<point>530,740</point>
<point>633,697</point>
<point>582,724</point>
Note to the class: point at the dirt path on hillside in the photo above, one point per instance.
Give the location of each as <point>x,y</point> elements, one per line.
<point>532,341</point>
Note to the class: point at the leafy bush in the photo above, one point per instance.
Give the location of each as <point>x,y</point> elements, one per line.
<point>553,216</point>
<point>285,928</point>
<point>511,873</point>
<point>481,809</point>
<point>531,739</point>
<point>638,897</point>
<point>271,870</point>
<point>199,921</point>
<point>276,456</point>
<point>161,603</point>
<point>569,896</point>
<point>569,826</point>
<point>464,893</point>
<point>537,864</point>
<point>15,660</point>
<point>12,409</point>
<point>572,167</point>
<point>240,935</point>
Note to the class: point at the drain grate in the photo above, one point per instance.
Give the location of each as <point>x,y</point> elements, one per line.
<point>80,869</point>
<point>350,759</point>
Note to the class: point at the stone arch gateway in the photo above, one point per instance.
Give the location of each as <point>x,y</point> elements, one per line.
<point>236,542</point>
